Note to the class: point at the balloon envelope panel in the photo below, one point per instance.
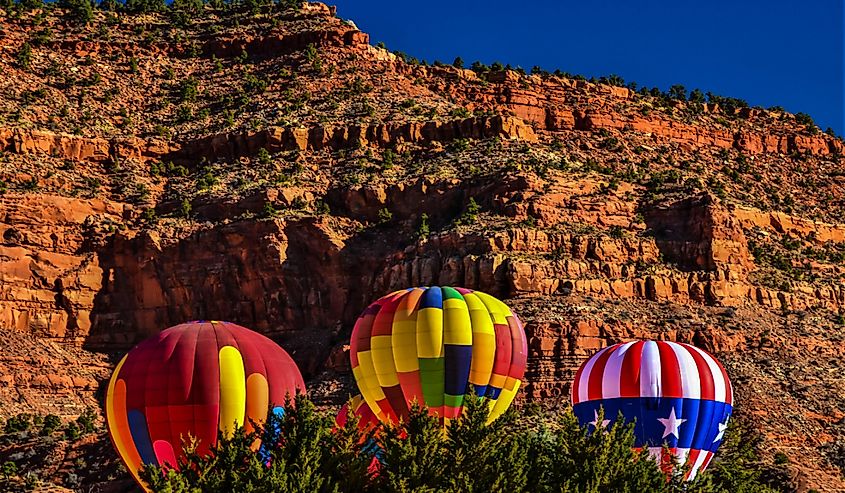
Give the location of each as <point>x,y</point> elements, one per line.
<point>428,345</point>
<point>677,395</point>
<point>196,379</point>
<point>367,421</point>
<point>359,407</point>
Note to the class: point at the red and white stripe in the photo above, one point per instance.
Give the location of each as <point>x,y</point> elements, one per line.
<point>668,457</point>
<point>651,369</point>
<point>698,460</point>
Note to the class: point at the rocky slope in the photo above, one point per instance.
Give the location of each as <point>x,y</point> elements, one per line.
<point>276,170</point>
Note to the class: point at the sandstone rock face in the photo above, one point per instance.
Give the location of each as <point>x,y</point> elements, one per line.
<point>557,349</point>
<point>276,44</point>
<point>232,146</point>
<point>75,148</point>
<point>285,279</point>
<point>699,234</point>
<point>779,222</point>
<point>48,282</point>
<point>66,146</point>
<point>548,104</point>
<point>41,376</point>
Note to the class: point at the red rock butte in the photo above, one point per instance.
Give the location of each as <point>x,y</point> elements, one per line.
<point>281,173</point>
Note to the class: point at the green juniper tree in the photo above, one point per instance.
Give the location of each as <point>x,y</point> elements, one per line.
<point>484,457</point>
<point>696,96</point>
<point>529,451</point>
<point>575,459</point>
<point>31,4</point>
<point>738,467</point>
<point>414,454</point>
<point>145,6</point>
<point>348,463</point>
<point>678,92</point>
<point>291,4</point>
<point>24,56</point>
<point>81,11</point>
<point>110,5</point>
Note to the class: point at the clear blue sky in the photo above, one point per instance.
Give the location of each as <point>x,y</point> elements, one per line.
<point>775,52</point>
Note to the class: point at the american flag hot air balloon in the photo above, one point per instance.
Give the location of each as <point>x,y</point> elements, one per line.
<point>678,395</point>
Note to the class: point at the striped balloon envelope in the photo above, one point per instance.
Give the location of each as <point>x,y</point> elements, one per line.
<point>679,397</point>
<point>358,406</point>
<point>367,421</point>
<point>197,380</point>
<point>428,345</point>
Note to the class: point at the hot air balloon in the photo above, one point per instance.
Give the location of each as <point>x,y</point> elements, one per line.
<point>678,395</point>
<point>367,421</point>
<point>428,345</point>
<point>359,407</point>
<point>196,379</point>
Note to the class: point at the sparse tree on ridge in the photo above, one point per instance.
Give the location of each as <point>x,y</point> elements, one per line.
<point>109,5</point>
<point>291,4</point>
<point>191,6</point>
<point>678,92</point>
<point>145,6</point>
<point>31,4</point>
<point>78,10</point>
<point>696,96</point>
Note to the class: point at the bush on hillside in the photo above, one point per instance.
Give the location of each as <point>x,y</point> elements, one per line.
<point>291,4</point>
<point>804,119</point>
<point>31,4</point>
<point>145,6</point>
<point>50,424</point>
<point>678,92</point>
<point>24,56</point>
<point>78,10</point>
<point>17,423</point>
<point>729,105</point>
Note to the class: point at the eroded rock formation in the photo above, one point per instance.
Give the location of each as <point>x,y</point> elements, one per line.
<point>284,174</point>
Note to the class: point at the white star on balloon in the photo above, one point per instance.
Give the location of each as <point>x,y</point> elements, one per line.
<point>671,424</point>
<point>722,428</point>
<point>595,422</point>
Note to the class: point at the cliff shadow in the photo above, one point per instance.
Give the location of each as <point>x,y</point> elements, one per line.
<point>683,230</point>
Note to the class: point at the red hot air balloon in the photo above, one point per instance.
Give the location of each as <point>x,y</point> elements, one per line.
<point>196,379</point>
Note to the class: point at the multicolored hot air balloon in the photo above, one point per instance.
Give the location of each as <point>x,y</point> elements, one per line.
<point>367,421</point>
<point>358,406</point>
<point>678,395</point>
<point>196,379</point>
<point>427,345</point>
